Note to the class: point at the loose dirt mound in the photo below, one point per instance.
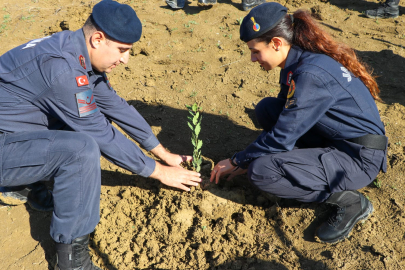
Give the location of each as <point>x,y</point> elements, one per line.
<point>195,55</point>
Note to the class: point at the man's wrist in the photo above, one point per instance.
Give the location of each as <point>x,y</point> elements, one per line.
<point>159,151</point>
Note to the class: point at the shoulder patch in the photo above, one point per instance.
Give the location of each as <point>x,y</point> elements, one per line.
<point>290,103</point>
<point>82,80</point>
<point>86,103</point>
<point>291,91</point>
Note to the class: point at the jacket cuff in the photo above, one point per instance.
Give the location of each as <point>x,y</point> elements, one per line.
<point>241,160</point>
<point>149,168</point>
<point>150,143</point>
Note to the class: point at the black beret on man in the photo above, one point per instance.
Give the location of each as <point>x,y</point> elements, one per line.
<point>118,21</point>
<point>261,19</point>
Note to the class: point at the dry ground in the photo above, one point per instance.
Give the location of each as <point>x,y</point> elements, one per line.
<point>195,55</point>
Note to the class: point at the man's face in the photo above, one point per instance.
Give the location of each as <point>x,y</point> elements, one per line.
<point>108,54</point>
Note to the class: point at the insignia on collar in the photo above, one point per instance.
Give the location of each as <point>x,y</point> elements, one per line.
<point>289,77</point>
<point>86,103</point>
<point>291,91</point>
<point>82,61</point>
<point>107,81</point>
<point>256,26</point>
<point>82,80</point>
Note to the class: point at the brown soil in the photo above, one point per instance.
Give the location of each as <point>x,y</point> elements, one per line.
<point>195,55</point>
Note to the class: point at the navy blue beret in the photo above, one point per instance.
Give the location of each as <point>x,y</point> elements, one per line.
<point>118,21</point>
<point>261,19</point>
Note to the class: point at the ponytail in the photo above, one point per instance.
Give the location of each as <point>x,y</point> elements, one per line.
<point>301,30</point>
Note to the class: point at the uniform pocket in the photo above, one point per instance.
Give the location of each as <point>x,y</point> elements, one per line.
<point>25,149</point>
<point>335,174</point>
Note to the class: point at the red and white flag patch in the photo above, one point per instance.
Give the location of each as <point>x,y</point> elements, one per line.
<point>82,80</point>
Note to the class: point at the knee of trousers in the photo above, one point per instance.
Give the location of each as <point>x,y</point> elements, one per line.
<point>78,146</point>
<point>90,151</point>
<point>261,113</point>
<point>267,111</point>
<point>263,172</point>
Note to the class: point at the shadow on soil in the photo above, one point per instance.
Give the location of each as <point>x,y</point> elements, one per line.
<point>221,136</point>
<point>387,66</point>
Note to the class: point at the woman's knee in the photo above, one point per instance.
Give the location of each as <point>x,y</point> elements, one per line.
<point>263,170</point>
<point>267,112</point>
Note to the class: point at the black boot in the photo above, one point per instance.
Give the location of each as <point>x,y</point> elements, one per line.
<point>74,256</point>
<point>36,195</point>
<point>350,208</point>
<point>176,4</point>
<point>249,4</point>
<point>206,2</point>
<point>389,9</point>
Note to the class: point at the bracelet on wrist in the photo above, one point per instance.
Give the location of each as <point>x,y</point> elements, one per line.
<point>232,162</point>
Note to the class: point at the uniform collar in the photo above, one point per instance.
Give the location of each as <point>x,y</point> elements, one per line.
<point>81,51</point>
<point>290,65</point>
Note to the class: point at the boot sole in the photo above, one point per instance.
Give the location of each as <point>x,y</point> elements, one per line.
<point>364,217</point>
<point>11,201</point>
<point>377,17</point>
<point>204,5</point>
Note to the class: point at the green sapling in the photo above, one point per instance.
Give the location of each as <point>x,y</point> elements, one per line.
<point>195,125</point>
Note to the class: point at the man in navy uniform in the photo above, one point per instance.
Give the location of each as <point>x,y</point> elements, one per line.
<point>56,109</point>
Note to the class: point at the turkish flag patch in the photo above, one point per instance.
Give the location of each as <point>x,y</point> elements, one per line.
<point>82,80</point>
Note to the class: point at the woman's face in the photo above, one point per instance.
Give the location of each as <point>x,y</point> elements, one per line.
<point>269,55</point>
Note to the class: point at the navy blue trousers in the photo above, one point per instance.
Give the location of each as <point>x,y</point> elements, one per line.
<point>316,167</point>
<point>72,159</point>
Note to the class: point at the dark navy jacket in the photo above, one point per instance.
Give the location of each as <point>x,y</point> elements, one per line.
<point>320,95</point>
<point>49,83</point>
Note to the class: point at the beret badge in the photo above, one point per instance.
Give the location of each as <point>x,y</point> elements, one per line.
<point>256,26</point>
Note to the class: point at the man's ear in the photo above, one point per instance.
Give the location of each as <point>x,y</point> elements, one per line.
<point>97,38</point>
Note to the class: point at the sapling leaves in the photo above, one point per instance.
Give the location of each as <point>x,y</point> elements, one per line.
<point>196,118</point>
<point>197,129</point>
<point>199,144</point>
<point>195,125</point>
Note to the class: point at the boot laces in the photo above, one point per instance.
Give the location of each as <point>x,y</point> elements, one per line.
<point>82,254</point>
<point>336,217</point>
<point>383,6</point>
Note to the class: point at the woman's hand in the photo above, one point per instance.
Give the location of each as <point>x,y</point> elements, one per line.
<point>223,168</point>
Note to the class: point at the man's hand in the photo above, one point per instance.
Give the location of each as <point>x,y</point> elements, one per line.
<point>176,176</point>
<point>169,158</point>
<point>224,167</point>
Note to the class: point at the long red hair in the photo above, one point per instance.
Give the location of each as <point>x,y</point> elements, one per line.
<point>303,31</point>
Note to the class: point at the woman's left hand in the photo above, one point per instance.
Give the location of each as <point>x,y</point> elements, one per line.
<point>224,167</point>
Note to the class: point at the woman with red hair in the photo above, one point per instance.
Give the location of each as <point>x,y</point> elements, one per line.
<point>322,136</point>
